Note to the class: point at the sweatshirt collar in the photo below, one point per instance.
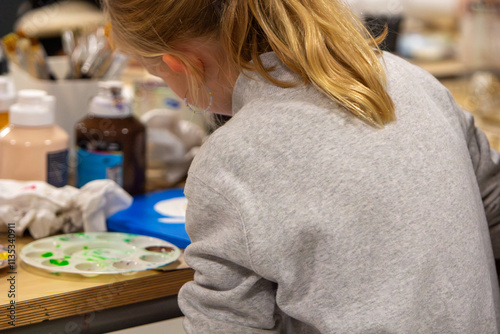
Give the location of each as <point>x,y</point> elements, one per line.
<point>251,85</point>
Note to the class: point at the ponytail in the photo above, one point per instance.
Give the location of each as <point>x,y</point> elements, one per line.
<point>319,40</point>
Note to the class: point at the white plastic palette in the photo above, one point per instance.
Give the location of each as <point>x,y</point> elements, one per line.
<point>92,254</point>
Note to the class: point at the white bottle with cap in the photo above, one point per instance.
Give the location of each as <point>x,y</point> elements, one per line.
<point>32,146</point>
<point>7,98</point>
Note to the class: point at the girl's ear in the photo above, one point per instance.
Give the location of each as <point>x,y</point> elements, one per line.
<point>174,63</point>
<point>178,66</point>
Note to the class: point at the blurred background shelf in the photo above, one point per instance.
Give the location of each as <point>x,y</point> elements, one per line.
<point>443,69</point>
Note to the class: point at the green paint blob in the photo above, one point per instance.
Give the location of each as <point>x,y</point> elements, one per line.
<point>85,247</point>
<point>80,233</point>
<point>48,254</point>
<point>58,246</point>
<point>61,263</point>
<point>64,239</point>
<point>67,257</point>
<point>127,240</point>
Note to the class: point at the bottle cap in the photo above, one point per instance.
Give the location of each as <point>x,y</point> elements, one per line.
<point>33,108</point>
<point>110,101</point>
<point>7,93</point>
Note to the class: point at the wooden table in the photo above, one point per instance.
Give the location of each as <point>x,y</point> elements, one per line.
<point>71,303</point>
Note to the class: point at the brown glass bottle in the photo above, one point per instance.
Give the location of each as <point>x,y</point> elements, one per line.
<point>111,144</point>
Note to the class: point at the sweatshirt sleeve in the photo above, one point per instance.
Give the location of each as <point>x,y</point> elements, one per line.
<point>226,296</point>
<point>485,160</point>
<point>486,163</point>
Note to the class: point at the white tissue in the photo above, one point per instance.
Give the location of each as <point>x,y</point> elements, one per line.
<point>46,210</point>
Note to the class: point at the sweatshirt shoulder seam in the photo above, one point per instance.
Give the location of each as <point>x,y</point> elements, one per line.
<point>249,254</point>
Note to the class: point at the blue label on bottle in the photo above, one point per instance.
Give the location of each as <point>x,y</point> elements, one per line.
<point>57,168</point>
<point>99,165</point>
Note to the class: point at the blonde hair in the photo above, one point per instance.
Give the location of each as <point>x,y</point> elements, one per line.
<point>320,40</point>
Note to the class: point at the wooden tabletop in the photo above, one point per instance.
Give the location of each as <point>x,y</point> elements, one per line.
<point>42,296</point>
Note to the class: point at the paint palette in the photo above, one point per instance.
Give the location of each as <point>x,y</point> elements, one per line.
<point>92,254</point>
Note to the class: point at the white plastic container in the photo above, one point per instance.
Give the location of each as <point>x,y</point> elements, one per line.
<point>32,147</point>
<point>72,96</point>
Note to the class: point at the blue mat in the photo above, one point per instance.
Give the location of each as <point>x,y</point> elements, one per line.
<point>159,214</point>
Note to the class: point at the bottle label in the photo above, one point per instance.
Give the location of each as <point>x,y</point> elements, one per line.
<point>57,168</point>
<point>99,165</point>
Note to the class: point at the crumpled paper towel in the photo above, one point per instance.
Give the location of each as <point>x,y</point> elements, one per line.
<point>46,210</point>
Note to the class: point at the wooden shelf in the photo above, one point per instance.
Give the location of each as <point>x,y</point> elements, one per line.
<point>443,69</point>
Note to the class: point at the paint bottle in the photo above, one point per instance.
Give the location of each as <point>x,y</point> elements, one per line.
<point>32,146</point>
<point>7,98</point>
<point>111,142</point>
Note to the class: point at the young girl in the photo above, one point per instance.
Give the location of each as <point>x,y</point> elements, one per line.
<point>347,194</point>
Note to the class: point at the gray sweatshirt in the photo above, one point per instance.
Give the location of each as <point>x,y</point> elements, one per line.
<point>303,219</point>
